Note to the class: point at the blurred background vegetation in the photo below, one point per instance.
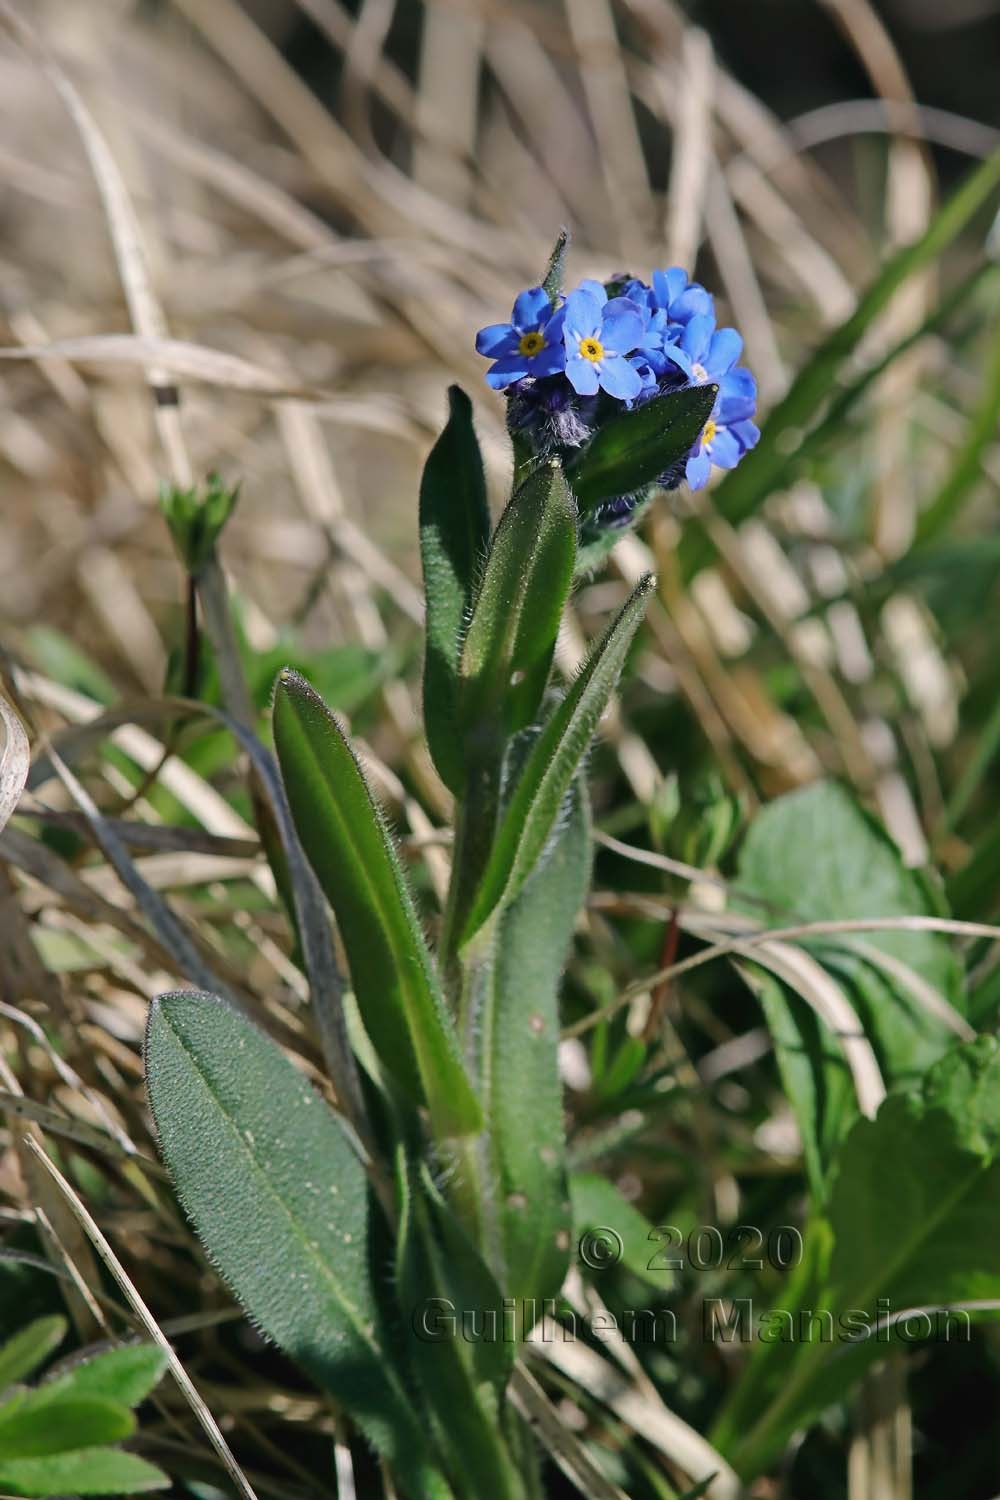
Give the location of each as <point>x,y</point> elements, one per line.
<point>318,203</point>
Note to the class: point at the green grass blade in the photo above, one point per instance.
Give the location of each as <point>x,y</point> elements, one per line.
<point>531,814</point>
<point>966,471</point>
<point>348,843</point>
<point>763,469</point>
<point>454,533</point>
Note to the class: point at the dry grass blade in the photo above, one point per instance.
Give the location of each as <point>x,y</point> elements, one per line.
<point>164,922</point>
<point>925,994</point>
<point>15,759</point>
<point>565,1449</point>
<point>650,1419</point>
<point>810,980</point>
<point>749,938</point>
<point>147,316</point>
<point>20,1107</point>
<point>692,160</point>
<point>176,356</point>
<point>149,1323</point>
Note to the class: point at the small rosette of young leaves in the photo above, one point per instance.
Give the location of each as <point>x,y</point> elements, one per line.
<point>643,363</point>
<point>196,517</point>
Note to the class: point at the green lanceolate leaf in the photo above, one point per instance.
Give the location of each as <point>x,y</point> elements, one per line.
<point>29,1348</point>
<point>533,808</point>
<point>442,1346</point>
<point>508,648</point>
<point>608,1230</point>
<point>41,1421</point>
<point>523,1090</point>
<point>761,471</point>
<point>630,452</point>
<point>279,1199</point>
<point>92,1471</point>
<point>454,533</point>
<point>465,1278</point>
<point>126,1375</point>
<point>913,1222</point>
<point>348,844</point>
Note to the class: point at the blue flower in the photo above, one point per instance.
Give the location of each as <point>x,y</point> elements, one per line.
<point>530,344</point>
<point>730,430</point>
<point>599,335</point>
<point>721,443</point>
<point>660,347</point>
<point>678,297</point>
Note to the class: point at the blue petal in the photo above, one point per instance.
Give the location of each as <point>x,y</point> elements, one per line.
<point>491,340</point>
<point>549,360</point>
<point>638,292</point>
<point>693,302</point>
<point>674,354</point>
<point>531,309</point>
<point>723,352</point>
<point>582,316</point>
<point>582,375</point>
<point>697,470</point>
<point>619,379</point>
<point>697,336</point>
<point>622,328</point>
<point>505,371</point>
<point>668,285</point>
<point>737,396</point>
<point>595,288</point>
<point>725,449</point>
<point>748,434</point>
<point>553,329</point>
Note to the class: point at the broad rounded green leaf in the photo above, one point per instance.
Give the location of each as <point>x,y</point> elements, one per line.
<point>631,451</point>
<point>92,1471</point>
<point>29,1348</point>
<point>531,813</point>
<point>34,1423</point>
<point>279,1200</point>
<point>126,1375</point>
<point>508,647</point>
<point>814,855</point>
<point>454,533</point>
<point>914,1222</point>
<point>347,841</point>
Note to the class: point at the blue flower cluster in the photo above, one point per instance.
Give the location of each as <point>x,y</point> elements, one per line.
<point>625,342</point>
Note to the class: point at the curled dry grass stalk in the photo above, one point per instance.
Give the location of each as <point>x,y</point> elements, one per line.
<point>210,263</point>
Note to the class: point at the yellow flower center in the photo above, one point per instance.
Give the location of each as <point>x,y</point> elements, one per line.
<point>700,373</point>
<point>592,349</point>
<point>708,433</point>
<point>530,343</point>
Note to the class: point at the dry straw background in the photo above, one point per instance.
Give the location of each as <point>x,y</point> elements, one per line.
<point>307,266</point>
